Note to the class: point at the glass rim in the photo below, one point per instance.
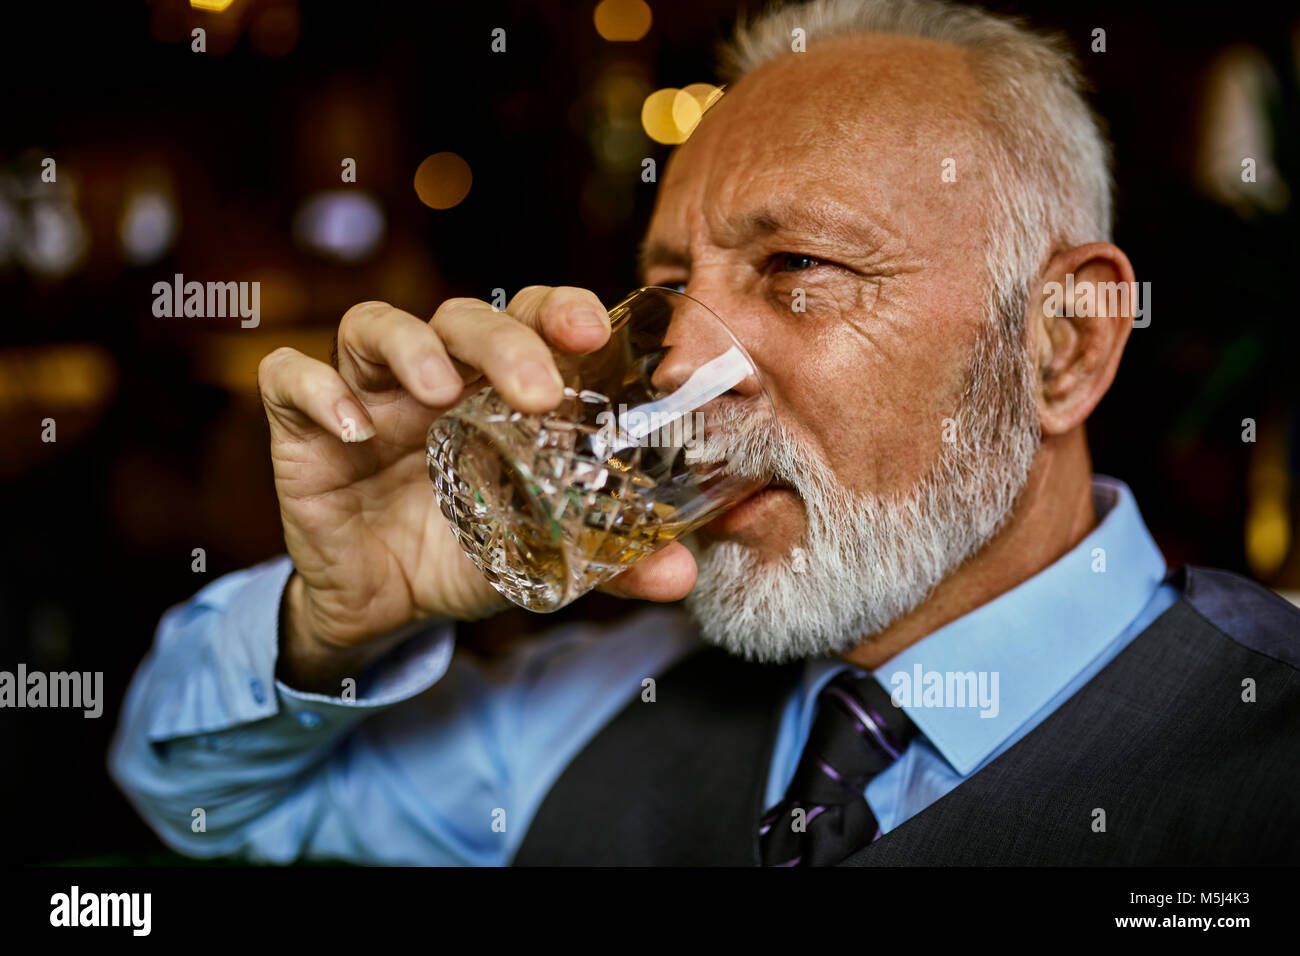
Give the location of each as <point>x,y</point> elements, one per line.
<point>758,372</point>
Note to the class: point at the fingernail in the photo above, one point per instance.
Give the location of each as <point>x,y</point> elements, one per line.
<point>353,422</point>
<point>588,319</point>
<point>537,378</point>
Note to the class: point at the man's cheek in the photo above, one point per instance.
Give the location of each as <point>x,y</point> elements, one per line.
<point>820,302</point>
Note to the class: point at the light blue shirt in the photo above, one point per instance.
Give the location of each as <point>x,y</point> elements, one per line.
<point>441,759</point>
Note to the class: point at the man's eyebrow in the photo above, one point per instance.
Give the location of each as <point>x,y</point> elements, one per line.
<point>834,221</point>
<point>657,253</point>
<point>828,220</point>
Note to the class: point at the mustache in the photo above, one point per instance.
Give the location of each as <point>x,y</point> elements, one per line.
<point>752,444</point>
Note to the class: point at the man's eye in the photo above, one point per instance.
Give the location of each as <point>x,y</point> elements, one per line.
<point>675,286</point>
<point>793,262</point>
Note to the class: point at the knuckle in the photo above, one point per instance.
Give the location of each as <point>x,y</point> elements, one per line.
<point>458,302</point>
<point>559,299</point>
<point>362,309</point>
<point>526,296</point>
<point>450,308</point>
<point>564,293</point>
<point>564,300</point>
<point>577,295</point>
<point>523,349</point>
<point>273,364</point>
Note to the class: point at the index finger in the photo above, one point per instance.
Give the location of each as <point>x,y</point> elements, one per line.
<point>570,318</point>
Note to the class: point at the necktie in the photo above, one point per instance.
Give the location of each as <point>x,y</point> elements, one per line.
<point>858,732</point>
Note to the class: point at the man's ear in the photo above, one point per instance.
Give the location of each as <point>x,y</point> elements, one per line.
<point>1079,321</point>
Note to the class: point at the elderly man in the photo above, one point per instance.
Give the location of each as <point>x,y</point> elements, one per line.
<point>934,638</point>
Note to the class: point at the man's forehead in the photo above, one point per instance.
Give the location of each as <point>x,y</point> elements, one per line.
<point>849,82</point>
<point>815,139</point>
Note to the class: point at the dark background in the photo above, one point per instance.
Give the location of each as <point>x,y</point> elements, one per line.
<point>161,441</point>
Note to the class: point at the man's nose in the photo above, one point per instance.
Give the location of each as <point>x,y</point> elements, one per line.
<point>696,337</point>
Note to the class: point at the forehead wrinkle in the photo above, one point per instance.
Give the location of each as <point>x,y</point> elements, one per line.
<point>802,182</point>
<point>819,220</point>
<point>815,218</point>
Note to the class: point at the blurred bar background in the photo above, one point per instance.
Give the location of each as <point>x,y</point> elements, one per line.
<point>228,165</point>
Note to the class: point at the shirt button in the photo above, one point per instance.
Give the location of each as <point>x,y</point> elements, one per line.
<point>309,719</point>
<point>259,692</point>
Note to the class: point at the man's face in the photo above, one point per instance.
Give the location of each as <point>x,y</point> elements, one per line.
<point>824,171</point>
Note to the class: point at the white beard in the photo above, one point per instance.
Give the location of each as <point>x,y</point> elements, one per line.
<point>867,559</point>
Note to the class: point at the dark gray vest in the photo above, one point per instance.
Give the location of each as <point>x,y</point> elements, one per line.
<point>1161,740</point>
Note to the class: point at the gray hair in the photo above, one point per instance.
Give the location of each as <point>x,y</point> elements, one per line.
<point>1050,175</point>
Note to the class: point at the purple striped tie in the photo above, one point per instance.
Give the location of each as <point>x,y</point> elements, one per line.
<point>857,734</point>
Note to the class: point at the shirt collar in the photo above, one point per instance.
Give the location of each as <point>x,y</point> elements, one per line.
<point>1035,638</point>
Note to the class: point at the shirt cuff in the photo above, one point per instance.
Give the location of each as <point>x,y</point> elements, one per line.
<point>223,676</point>
<point>416,664</point>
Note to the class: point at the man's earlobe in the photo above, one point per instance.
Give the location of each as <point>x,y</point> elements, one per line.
<point>1080,320</point>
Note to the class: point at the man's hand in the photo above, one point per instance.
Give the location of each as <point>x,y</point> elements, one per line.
<point>370,549</point>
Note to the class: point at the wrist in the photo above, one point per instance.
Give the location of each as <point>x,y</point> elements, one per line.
<point>306,662</point>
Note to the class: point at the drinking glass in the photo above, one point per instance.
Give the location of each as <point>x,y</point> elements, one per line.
<point>659,432</point>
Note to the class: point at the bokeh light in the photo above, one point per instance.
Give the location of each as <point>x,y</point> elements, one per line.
<point>622,20</point>
<point>442,180</point>
<point>706,94</point>
<point>56,377</point>
<point>55,241</point>
<point>669,115</point>
<point>342,224</point>
<point>1268,535</point>
<point>148,226</point>
<point>686,112</point>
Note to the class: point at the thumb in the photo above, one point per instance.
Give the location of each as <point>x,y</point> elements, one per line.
<point>667,575</point>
